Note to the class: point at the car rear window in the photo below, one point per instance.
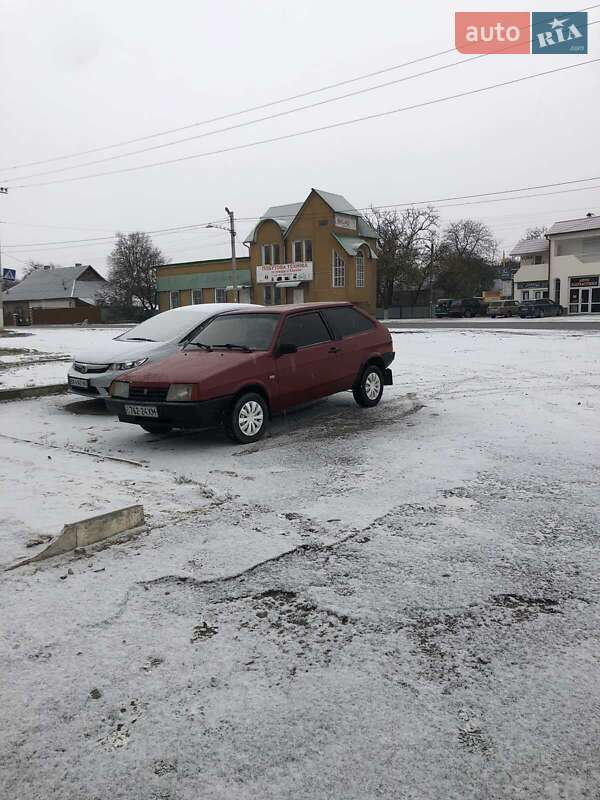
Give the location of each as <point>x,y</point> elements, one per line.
<point>347,321</point>
<point>304,330</point>
<point>248,330</point>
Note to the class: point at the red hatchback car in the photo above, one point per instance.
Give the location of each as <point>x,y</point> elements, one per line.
<point>246,365</point>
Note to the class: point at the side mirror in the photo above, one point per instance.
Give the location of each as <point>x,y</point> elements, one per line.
<point>285,349</point>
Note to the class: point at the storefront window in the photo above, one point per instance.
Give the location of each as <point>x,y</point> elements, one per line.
<point>175,300</point>
<point>525,296</point>
<point>197,296</point>
<point>220,296</point>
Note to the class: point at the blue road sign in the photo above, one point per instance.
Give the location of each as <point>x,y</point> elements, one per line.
<point>9,274</point>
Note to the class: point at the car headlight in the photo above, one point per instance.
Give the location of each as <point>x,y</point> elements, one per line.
<point>119,389</point>
<point>180,392</point>
<point>129,364</point>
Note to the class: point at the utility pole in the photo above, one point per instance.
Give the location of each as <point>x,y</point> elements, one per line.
<point>3,190</point>
<point>431,250</point>
<point>233,258</point>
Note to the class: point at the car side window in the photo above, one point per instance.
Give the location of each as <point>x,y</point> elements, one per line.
<point>346,321</point>
<point>304,330</point>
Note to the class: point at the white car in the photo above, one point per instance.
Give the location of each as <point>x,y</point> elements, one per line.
<point>93,370</point>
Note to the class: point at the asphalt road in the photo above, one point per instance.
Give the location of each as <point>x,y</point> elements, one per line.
<point>551,323</point>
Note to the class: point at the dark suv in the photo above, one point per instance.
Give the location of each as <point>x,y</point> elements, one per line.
<point>467,307</point>
<point>540,308</point>
<point>246,365</point>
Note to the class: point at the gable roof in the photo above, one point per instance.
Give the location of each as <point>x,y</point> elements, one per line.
<point>56,284</point>
<point>526,247</point>
<point>573,225</point>
<point>284,215</point>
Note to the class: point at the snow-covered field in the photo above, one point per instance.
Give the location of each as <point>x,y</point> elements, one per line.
<point>41,356</point>
<point>399,602</point>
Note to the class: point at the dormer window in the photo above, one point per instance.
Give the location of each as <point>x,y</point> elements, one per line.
<point>271,254</point>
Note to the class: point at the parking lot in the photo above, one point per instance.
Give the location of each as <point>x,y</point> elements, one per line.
<point>431,561</point>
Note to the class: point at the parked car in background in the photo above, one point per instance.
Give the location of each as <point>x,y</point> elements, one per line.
<point>247,365</point>
<point>467,307</point>
<point>94,369</point>
<point>540,308</point>
<point>503,308</point>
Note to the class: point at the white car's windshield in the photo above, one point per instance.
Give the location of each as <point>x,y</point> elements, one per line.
<point>167,326</point>
<point>239,331</point>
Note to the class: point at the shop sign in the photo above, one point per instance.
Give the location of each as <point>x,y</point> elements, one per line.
<point>532,284</point>
<point>279,273</point>
<point>584,280</point>
<point>345,221</point>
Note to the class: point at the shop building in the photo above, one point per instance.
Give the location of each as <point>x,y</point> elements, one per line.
<point>320,249</point>
<point>567,270</point>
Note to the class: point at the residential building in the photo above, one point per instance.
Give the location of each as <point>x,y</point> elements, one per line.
<point>564,266</point>
<point>54,295</point>
<point>316,250</point>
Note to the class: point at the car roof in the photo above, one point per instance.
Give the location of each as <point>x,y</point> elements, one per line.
<point>292,307</point>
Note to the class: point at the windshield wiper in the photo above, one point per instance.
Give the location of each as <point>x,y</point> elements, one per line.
<point>199,344</point>
<point>229,346</point>
<point>139,339</point>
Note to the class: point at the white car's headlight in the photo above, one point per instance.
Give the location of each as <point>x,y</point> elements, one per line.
<point>180,392</point>
<point>129,364</point>
<point>119,389</point>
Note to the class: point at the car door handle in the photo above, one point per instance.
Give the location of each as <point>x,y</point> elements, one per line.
<point>335,350</point>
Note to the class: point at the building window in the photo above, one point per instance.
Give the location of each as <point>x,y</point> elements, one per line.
<point>175,299</point>
<point>525,296</point>
<point>338,277</point>
<point>220,296</point>
<point>268,296</point>
<point>360,271</point>
<point>557,290</point>
<point>270,254</point>
<point>537,260</point>
<point>302,250</point>
<point>196,296</point>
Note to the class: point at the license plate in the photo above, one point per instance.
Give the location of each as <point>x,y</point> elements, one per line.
<point>80,383</point>
<point>141,411</point>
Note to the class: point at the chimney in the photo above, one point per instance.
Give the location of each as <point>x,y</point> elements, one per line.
<point>78,265</point>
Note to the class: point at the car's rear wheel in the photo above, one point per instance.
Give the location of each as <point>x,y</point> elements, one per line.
<point>369,388</point>
<point>247,420</point>
<point>468,314</point>
<point>156,427</point>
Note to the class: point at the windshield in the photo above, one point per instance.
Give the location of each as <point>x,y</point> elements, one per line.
<point>166,327</point>
<point>242,330</point>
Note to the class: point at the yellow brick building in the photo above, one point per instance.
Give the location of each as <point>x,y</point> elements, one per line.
<point>319,249</point>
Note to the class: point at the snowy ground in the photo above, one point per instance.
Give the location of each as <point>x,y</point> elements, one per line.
<point>399,602</point>
<point>41,356</point>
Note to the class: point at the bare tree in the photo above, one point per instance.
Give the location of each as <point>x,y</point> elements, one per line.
<point>469,238</point>
<point>403,241</point>
<point>466,259</point>
<point>536,232</point>
<point>133,263</point>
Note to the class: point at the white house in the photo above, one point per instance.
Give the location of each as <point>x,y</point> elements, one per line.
<point>564,266</point>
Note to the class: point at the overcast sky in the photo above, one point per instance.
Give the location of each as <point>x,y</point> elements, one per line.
<point>77,76</point>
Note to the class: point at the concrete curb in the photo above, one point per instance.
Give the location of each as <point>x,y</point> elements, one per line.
<point>32,391</point>
<point>89,531</point>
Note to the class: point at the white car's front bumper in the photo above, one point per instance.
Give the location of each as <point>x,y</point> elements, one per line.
<point>91,380</point>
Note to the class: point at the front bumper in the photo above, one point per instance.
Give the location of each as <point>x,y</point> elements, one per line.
<point>97,383</point>
<point>203,414</point>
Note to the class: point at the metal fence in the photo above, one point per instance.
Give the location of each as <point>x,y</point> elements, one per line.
<point>404,312</point>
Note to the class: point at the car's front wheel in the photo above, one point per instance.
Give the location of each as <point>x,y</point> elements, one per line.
<point>247,420</point>
<point>369,388</point>
<point>156,427</point>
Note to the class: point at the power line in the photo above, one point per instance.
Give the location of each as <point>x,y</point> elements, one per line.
<point>309,131</point>
<point>484,197</point>
<point>269,104</point>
